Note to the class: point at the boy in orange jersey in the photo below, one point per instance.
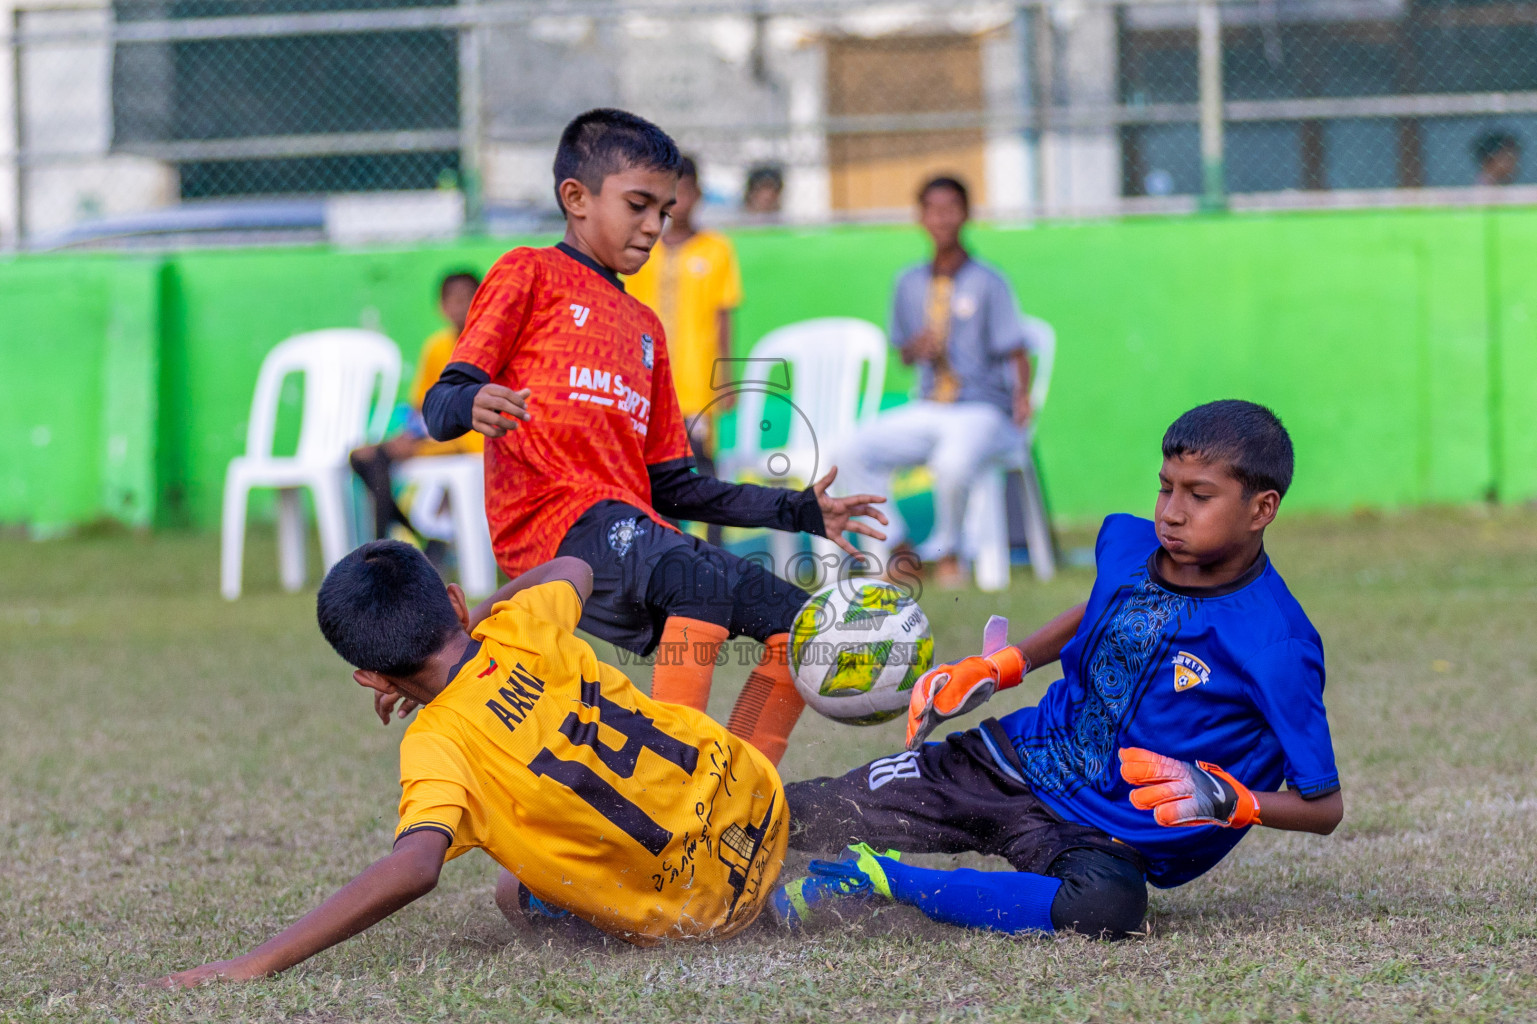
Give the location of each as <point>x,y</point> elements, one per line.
<point>677,832</point>
<point>693,283</point>
<point>569,377</point>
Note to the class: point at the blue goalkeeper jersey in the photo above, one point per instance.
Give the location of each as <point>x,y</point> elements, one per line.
<point>1231,675</point>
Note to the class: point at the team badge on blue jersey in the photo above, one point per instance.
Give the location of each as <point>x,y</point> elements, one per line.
<point>621,536</point>
<point>647,350</point>
<point>1189,671</point>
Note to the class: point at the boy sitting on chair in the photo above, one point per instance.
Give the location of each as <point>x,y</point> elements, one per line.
<point>1192,688</point>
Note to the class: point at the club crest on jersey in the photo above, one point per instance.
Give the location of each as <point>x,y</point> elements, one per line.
<point>1189,671</point>
<point>621,536</point>
<point>647,350</point>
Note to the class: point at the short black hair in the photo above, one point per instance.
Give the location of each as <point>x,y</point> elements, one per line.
<point>384,608</point>
<point>454,277</point>
<point>1490,143</point>
<point>1246,436</point>
<point>605,141</point>
<point>946,181</point>
<point>687,168</point>
<point>764,174</point>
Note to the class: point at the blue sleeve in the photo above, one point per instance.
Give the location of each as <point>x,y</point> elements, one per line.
<point>1120,532</point>
<point>1286,682</point>
<point>1005,327</point>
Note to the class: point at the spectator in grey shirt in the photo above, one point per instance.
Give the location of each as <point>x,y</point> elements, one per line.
<point>957,318</point>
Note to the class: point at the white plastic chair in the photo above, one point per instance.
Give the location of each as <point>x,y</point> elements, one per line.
<point>827,359</point>
<point>350,380</point>
<point>462,480</point>
<point>986,530</point>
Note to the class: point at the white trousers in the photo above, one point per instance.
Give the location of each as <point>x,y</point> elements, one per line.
<point>956,440</point>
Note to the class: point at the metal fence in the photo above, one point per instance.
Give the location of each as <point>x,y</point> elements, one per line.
<point>281,119</point>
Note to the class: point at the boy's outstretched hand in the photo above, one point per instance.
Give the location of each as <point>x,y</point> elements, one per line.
<point>838,514</point>
<point>239,969</point>
<point>498,409</point>
<point>1187,792</point>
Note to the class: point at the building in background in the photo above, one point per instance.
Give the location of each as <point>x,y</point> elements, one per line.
<point>1052,107</point>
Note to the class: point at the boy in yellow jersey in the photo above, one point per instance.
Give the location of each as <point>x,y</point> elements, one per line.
<point>372,463</point>
<point>693,284</point>
<point>647,820</point>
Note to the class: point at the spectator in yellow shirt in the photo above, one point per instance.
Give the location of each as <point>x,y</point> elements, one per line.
<point>693,284</point>
<point>372,463</point>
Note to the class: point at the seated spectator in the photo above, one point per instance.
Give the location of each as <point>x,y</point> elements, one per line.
<point>1498,155</point>
<point>957,318</point>
<point>764,193</point>
<point>372,463</point>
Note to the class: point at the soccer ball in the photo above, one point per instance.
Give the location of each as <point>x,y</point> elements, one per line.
<point>856,649</point>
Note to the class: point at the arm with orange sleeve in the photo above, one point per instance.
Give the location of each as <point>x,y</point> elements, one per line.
<point>949,691</point>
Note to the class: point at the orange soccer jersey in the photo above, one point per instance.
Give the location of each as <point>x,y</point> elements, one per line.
<point>603,405</point>
<point>647,820</point>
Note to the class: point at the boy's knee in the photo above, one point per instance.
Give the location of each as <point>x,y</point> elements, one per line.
<point>1102,895</point>
<point>508,893</point>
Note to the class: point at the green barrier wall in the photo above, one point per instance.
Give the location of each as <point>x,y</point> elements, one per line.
<point>1399,346</point>
<point>78,361</point>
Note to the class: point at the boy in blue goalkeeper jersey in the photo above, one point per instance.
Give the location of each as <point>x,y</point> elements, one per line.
<point>1192,689</point>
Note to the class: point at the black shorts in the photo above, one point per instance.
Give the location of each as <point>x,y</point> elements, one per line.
<point>946,797</point>
<point>950,797</point>
<point>643,573</point>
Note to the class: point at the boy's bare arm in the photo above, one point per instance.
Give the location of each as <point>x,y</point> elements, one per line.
<point>408,873</point>
<point>1183,793</point>
<point>573,570</point>
<point>1044,646</point>
<point>1293,812</point>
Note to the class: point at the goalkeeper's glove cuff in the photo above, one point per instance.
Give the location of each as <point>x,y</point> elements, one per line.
<point>1239,807</point>
<point>1011,664</point>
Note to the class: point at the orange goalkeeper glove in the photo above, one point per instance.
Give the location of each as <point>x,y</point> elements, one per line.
<point>949,691</point>
<point>1187,792</point>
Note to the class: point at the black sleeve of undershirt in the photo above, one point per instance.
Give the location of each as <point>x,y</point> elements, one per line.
<point>680,493</point>
<point>449,407</point>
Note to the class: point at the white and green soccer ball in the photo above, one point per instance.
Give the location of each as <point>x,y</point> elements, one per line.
<point>856,649</point>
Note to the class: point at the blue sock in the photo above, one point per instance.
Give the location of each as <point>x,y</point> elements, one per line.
<point>1002,901</point>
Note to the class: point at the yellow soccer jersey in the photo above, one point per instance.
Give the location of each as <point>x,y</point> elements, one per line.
<point>648,820</point>
<point>688,287</point>
<point>436,351</point>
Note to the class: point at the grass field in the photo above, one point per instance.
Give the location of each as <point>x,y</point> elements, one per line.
<point>180,776</point>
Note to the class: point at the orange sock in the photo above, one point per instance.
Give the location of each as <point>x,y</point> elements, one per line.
<point>769,705</point>
<point>685,661</point>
